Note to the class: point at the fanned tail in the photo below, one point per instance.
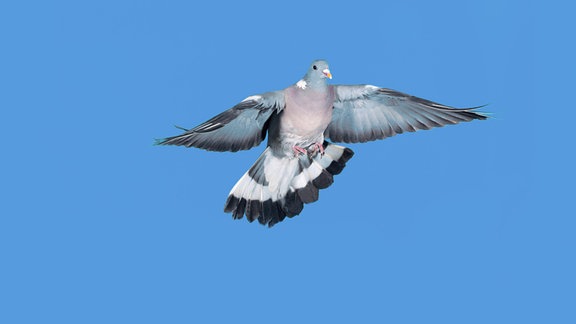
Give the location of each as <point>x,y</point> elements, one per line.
<point>278,187</point>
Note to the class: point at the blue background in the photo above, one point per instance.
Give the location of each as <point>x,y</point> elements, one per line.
<point>471,223</point>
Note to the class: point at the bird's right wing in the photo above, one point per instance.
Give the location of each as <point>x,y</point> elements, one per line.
<point>238,128</point>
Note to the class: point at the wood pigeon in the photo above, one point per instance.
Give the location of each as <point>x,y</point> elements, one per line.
<point>298,160</point>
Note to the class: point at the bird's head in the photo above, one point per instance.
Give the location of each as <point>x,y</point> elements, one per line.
<point>318,72</point>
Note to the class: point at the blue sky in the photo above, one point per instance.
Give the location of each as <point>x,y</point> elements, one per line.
<point>471,223</point>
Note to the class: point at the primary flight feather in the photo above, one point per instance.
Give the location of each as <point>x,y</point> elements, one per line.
<point>298,161</point>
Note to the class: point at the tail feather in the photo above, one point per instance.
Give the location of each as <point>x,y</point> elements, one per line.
<point>278,187</point>
<point>293,205</point>
<point>324,180</point>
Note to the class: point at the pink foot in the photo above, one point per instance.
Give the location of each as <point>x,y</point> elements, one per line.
<point>298,150</point>
<point>318,147</point>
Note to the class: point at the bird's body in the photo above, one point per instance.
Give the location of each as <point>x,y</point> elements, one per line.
<point>304,124</point>
<point>298,161</point>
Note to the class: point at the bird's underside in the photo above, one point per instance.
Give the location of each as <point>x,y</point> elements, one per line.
<point>275,187</point>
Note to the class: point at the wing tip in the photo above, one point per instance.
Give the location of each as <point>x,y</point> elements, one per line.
<point>182,128</point>
<point>474,114</point>
<point>159,141</point>
<point>166,140</point>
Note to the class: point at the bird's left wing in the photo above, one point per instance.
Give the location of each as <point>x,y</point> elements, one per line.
<point>365,113</point>
<point>238,128</point>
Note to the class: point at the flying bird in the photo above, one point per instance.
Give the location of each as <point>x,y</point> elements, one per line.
<point>298,160</point>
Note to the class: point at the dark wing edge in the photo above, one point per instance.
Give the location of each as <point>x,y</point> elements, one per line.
<point>238,128</point>
<point>365,113</point>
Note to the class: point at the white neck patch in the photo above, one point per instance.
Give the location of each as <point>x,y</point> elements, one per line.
<point>254,98</point>
<point>301,84</point>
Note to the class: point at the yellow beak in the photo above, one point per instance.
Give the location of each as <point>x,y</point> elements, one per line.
<point>327,73</point>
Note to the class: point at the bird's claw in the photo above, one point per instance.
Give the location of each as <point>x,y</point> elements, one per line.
<point>298,150</point>
<point>318,147</point>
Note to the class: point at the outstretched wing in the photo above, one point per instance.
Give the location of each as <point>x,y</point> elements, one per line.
<point>238,128</point>
<point>365,113</point>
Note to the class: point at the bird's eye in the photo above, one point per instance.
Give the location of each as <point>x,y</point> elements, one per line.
<point>315,67</point>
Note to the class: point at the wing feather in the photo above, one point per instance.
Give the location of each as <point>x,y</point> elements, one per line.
<point>365,113</point>
<point>238,128</point>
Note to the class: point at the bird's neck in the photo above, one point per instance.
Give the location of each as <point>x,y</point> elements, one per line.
<point>316,83</point>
